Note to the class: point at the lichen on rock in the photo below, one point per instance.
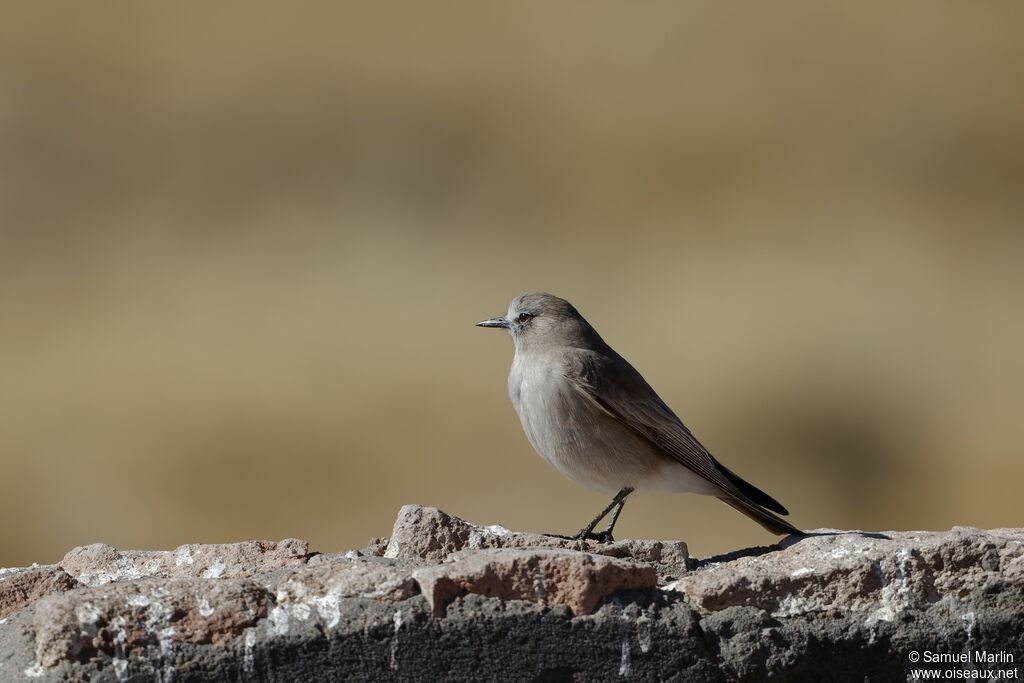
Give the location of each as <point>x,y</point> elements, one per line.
<point>442,597</point>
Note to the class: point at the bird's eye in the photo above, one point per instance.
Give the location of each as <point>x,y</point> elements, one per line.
<point>523,317</point>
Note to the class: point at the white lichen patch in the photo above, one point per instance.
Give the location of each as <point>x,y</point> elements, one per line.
<point>87,613</point>
<point>7,572</point>
<point>183,556</point>
<point>277,621</point>
<point>139,601</point>
<point>792,605</point>
<point>166,672</point>
<point>539,587</point>
<point>397,620</point>
<point>120,661</point>
<point>329,607</point>
<point>204,607</point>
<point>249,652</point>
<point>215,570</point>
<point>895,595</point>
<point>120,668</point>
<point>625,660</point>
<point>476,539</point>
<point>478,535</point>
<point>35,671</point>
<point>121,569</point>
<point>296,599</point>
<point>294,602</point>
<point>393,548</point>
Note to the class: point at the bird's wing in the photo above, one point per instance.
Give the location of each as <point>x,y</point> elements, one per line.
<point>616,388</point>
<point>622,393</point>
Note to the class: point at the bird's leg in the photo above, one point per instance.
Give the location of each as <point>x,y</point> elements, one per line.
<point>607,533</point>
<point>617,502</point>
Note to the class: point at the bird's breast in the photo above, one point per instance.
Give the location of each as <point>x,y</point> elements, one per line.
<point>556,417</point>
<point>573,434</point>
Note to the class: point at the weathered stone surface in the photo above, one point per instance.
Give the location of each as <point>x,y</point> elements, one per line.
<point>376,546</point>
<point>879,575</point>
<point>122,620</point>
<point>22,586</point>
<point>670,558</point>
<point>318,590</point>
<point>566,577</point>
<point>97,564</point>
<point>839,606</point>
<point>428,534</point>
<point>349,578</point>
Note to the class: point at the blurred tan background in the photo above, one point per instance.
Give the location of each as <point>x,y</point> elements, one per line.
<point>242,251</point>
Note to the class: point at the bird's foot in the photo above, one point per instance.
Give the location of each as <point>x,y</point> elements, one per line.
<point>599,537</point>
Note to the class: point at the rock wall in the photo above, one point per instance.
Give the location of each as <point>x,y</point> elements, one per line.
<point>443,599</point>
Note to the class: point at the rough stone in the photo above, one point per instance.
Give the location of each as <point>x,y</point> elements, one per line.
<point>580,581</point>
<point>456,601</point>
<point>431,535</point>
<point>318,590</point>
<point>22,586</point>
<point>97,564</point>
<point>125,619</point>
<point>878,575</point>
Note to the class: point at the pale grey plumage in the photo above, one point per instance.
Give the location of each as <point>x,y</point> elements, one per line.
<point>589,413</point>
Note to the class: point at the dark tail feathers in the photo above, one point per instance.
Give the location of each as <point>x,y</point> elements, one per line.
<point>771,522</point>
<point>752,492</point>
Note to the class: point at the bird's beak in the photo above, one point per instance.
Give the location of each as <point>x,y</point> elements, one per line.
<point>493,322</point>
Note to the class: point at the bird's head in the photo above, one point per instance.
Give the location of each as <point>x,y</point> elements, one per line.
<point>541,319</point>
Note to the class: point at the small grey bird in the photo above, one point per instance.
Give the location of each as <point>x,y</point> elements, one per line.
<point>589,413</point>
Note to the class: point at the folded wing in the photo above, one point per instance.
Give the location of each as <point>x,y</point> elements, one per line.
<point>620,391</point>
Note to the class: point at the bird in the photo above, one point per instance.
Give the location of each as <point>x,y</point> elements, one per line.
<point>591,415</point>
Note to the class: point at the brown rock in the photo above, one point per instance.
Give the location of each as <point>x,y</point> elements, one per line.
<point>879,575</point>
<point>667,556</point>
<point>353,578</point>
<point>762,607</point>
<point>20,587</point>
<point>577,580</point>
<point>426,533</point>
<point>120,618</point>
<point>318,590</point>
<point>376,547</point>
<point>431,535</point>
<point>97,564</point>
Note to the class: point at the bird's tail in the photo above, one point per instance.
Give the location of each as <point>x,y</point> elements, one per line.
<point>768,520</point>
